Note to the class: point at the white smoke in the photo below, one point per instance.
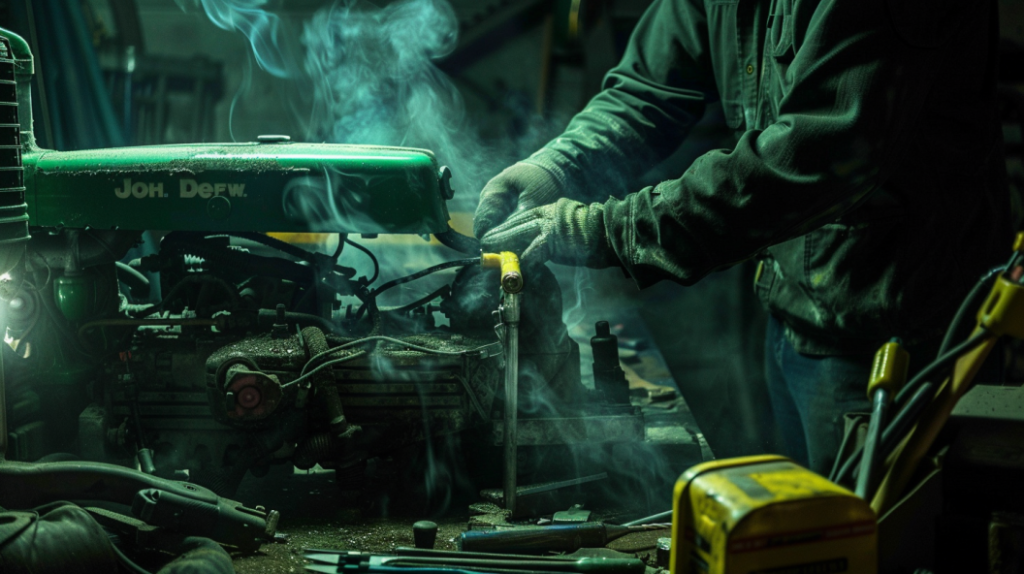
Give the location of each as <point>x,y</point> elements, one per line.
<point>261,28</point>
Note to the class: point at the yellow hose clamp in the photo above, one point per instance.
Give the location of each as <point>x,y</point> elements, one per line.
<point>1003,311</point>
<point>1018,243</point>
<point>889,371</point>
<point>508,262</point>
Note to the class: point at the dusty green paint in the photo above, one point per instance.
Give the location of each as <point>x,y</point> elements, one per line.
<point>288,187</point>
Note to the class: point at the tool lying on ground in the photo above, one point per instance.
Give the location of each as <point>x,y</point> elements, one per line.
<point>415,558</point>
<point>540,539</point>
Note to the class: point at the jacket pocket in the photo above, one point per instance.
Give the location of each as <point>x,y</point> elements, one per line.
<point>850,272</point>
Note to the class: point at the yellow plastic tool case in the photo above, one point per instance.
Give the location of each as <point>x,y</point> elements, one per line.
<point>768,515</point>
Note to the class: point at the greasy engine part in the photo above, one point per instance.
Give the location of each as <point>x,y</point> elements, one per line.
<point>219,351</point>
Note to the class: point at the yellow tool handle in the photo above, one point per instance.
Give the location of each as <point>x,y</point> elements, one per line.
<point>889,370</point>
<point>908,455</point>
<point>508,262</point>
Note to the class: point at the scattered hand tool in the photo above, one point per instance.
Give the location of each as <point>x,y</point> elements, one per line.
<point>540,539</point>
<point>888,374</point>
<point>370,562</point>
<point>424,533</point>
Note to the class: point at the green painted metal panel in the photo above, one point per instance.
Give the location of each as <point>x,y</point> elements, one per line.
<point>260,186</point>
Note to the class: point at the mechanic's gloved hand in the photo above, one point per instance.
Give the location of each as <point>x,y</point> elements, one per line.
<point>523,186</point>
<point>567,232</point>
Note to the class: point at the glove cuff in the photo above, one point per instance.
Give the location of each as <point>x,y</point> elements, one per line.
<point>558,168</point>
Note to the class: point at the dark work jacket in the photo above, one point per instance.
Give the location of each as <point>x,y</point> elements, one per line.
<point>868,173</point>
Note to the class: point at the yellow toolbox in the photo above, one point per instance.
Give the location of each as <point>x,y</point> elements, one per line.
<point>768,515</point>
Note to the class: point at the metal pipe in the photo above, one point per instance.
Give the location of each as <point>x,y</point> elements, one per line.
<point>510,317</point>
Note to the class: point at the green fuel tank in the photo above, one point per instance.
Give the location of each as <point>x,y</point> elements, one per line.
<point>264,186</point>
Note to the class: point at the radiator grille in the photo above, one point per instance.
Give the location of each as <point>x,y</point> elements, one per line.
<point>13,210</point>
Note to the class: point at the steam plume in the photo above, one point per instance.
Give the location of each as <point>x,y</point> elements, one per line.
<point>260,27</point>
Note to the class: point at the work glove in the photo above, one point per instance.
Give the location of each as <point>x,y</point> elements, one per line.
<point>523,186</point>
<point>566,232</point>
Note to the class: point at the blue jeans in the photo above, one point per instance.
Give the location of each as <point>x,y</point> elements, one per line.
<point>810,394</point>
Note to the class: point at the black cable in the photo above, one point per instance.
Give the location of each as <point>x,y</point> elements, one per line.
<point>373,259</point>
<point>839,461</point>
<point>896,428</point>
<point>265,240</point>
<point>342,237</point>
<point>462,243</point>
<point>872,443</point>
<point>138,284</point>
<point>905,416</point>
<point>422,300</point>
<point>424,273</point>
<point>372,295</point>
<point>940,363</point>
<point>969,306</point>
<point>191,280</point>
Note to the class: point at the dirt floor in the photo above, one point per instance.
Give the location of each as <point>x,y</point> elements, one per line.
<point>315,515</point>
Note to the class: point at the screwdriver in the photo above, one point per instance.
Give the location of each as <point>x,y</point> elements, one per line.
<point>540,539</point>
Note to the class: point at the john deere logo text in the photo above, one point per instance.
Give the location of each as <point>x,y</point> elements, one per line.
<point>187,188</point>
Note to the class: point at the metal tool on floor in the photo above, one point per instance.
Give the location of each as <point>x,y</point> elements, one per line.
<point>373,562</point>
<point>424,533</point>
<point>508,332</point>
<point>540,539</point>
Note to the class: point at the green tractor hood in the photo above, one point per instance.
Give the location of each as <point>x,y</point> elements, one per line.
<point>271,185</point>
<point>265,186</point>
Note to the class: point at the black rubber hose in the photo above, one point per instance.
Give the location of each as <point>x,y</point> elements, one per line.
<point>239,261</point>
<point>895,430</point>
<point>283,247</point>
<point>459,242</point>
<point>193,280</point>
<point>872,444</point>
<point>373,260</point>
<point>372,295</point>
<point>969,306</point>
<point>440,291</point>
<point>136,281</point>
<point>918,383</point>
<point>424,273</point>
<point>942,362</point>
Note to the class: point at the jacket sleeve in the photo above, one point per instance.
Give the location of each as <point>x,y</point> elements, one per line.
<point>648,104</point>
<point>853,86</point>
